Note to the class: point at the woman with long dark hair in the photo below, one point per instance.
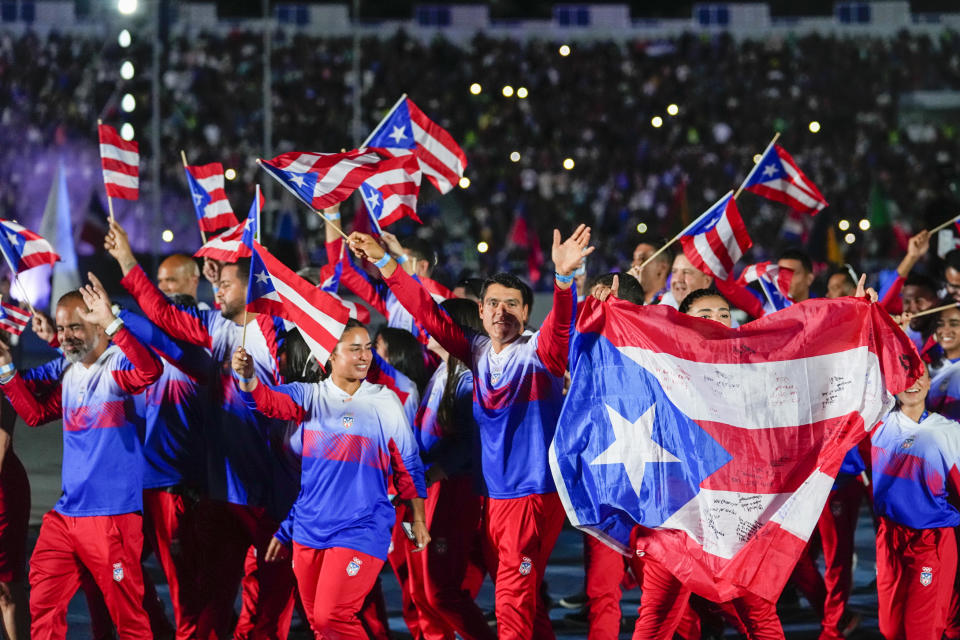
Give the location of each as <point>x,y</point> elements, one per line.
<point>445,430</point>
<point>354,435</point>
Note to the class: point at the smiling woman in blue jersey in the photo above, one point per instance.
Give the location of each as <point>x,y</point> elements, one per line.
<point>354,434</point>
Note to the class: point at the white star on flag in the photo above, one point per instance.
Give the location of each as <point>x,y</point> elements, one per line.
<point>297,180</point>
<point>398,134</point>
<point>197,198</point>
<point>373,200</point>
<point>262,277</point>
<point>770,170</point>
<point>633,446</point>
<point>14,238</point>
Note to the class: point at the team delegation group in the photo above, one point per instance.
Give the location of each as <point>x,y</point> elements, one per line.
<point>212,438</point>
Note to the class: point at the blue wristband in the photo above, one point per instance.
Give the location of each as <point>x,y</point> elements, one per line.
<point>401,258</point>
<point>240,378</point>
<point>382,262</point>
<point>563,279</point>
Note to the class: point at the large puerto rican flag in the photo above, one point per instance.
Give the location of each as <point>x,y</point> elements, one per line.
<point>723,444</point>
<point>716,240</point>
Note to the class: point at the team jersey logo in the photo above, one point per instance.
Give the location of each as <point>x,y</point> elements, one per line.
<point>353,567</point>
<point>525,566</point>
<point>118,571</point>
<point>440,545</point>
<point>926,576</point>
<point>836,508</point>
<point>907,443</point>
<point>347,421</point>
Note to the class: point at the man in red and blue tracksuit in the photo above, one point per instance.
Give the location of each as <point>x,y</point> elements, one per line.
<point>518,391</point>
<point>250,481</point>
<point>96,524</point>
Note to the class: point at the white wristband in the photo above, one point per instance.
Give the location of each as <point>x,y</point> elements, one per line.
<point>113,327</point>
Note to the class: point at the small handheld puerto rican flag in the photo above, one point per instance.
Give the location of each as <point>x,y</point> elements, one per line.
<point>716,240</point>
<point>777,177</point>
<point>120,160</point>
<point>24,249</point>
<point>773,279</point>
<point>406,129</point>
<point>233,243</point>
<point>13,319</point>
<point>391,195</point>
<point>209,199</point>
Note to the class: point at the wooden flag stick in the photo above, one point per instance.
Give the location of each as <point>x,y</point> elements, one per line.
<point>109,199</point>
<point>243,338</point>
<point>935,310</point>
<point>756,165</point>
<point>183,156</point>
<point>945,224</point>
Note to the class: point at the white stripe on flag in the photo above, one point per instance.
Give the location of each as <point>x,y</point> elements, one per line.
<point>217,207</point>
<point>289,294</point>
<point>436,149</point>
<point>31,247</point>
<point>131,158</point>
<point>121,179</point>
<point>211,183</point>
<point>798,179</point>
<point>304,162</point>
<point>767,395</point>
<point>706,252</point>
<point>393,176</point>
<point>800,513</point>
<point>729,239</point>
<point>335,175</point>
<point>795,192</point>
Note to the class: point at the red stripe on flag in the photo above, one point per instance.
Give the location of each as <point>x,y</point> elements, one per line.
<point>109,135</point>
<point>120,167</point>
<point>124,193</point>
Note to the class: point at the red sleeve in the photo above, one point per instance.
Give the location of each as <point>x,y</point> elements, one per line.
<point>738,296</point>
<point>891,299</point>
<point>146,368</point>
<point>425,311</point>
<point>276,404</point>
<point>436,288</point>
<point>34,412</point>
<point>334,248</point>
<point>402,480</point>
<point>176,322</point>
<point>553,339</point>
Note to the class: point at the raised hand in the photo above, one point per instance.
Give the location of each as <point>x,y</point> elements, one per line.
<point>117,245</point>
<point>242,363</point>
<point>918,245</point>
<point>568,255</point>
<point>601,292</point>
<point>99,310</point>
<point>870,293</point>
<point>43,327</point>
<point>392,243</point>
<point>365,246</point>
<point>211,270</point>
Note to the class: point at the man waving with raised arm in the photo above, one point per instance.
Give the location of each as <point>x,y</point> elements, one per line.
<point>518,391</point>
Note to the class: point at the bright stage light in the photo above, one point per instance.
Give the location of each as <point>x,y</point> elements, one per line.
<point>475,88</point>
<point>126,7</point>
<point>124,39</point>
<point>126,70</point>
<point>568,164</point>
<point>126,131</point>
<point>128,103</point>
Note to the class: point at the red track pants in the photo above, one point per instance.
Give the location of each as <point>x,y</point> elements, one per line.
<point>915,576</point>
<point>227,531</point>
<point>521,533</point>
<point>333,584</point>
<point>397,558</point>
<point>837,526</point>
<point>109,547</point>
<point>437,573</point>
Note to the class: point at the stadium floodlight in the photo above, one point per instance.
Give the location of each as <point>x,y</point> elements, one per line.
<point>864,225</point>
<point>483,247</point>
<point>568,164</point>
<point>507,91</point>
<point>814,126</point>
<point>522,93</point>
<point>464,182</point>
<point>128,103</point>
<point>642,227</point>
<point>126,131</point>
<point>843,225</point>
<point>124,39</point>
<point>672,109</point>
<point>657,122</point>
<point>126,7</point>
<point>230,174</point>
<point>564,50</point>
<point>475,88</point>
<point>514,156</point>
<point>126,70</point>
<point>849,238</point>
<point>167,235</point>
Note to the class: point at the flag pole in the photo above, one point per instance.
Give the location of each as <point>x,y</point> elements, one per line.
<point>297,196</point>
<point>935,310</point>
<point>945,224</point>
<point>380,125</point>
<point>676,237</point>
<point>109,199</point>
<point>183,156</point>
<point>256,195</point>
<point>756,165</point>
